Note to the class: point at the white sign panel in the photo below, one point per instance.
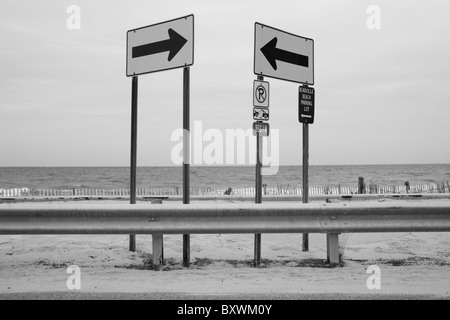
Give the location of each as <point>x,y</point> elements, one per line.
<point>261,114</point>
<point>261,128</point>
<point>282,55</point>
<point>162,46</point>
<point>260,94</point>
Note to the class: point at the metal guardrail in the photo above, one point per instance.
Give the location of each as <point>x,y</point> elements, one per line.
<point>330,218</point>
<point>38,218</point>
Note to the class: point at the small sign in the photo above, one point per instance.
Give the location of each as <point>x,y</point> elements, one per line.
<point>261,114</point>
<point>260,94</point>
<point>262,128</point>
<point>306,104</point>
<point>162,46</point>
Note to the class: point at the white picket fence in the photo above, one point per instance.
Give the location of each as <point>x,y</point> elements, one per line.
<point>14,192</point>
<point>267,190</point>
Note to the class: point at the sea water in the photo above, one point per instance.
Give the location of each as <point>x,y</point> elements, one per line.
<point>218,177</point>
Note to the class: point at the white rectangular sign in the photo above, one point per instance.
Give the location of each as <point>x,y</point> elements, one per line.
<point>260,94</point>
<point>261,128</point>
<point>163,46</point>
<point>261,114</point>
<point>282,55</point>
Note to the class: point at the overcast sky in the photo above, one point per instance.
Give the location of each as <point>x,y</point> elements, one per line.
<point>382,96</point>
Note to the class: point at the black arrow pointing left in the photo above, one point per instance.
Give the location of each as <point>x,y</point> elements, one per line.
<point>173,45</point>
<point>272,54</point>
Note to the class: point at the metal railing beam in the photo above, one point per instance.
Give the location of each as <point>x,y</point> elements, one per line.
<point>36,218</point>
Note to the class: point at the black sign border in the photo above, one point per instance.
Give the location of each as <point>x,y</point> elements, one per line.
<point>156,24</point>
<point>297,36</point>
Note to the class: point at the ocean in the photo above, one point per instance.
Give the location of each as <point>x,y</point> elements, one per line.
<point>218,177</point>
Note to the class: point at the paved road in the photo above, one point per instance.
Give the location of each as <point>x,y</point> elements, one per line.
<point>180,296</point>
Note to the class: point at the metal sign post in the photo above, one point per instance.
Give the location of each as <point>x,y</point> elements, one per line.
<point>306,101</point>
<point>258,196</point>
<point>133,164</point>
<point>282,55</point>
<point>186,161</point>
<point>158,47</point>
<point>305,242</point>
<point>258,180</point>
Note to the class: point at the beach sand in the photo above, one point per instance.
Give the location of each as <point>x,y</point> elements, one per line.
<point>410,263</point>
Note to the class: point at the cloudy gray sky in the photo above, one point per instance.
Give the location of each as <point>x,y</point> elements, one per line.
<point>382,96</point>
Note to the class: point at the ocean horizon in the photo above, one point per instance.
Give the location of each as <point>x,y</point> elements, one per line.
<point>218,176</point>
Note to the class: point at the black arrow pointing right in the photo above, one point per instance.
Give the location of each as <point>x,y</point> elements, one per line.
<point>173,45</point>
<point>272,54</point>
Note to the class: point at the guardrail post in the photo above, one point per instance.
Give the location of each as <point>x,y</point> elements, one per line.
<point>333,248</point>
<point>158,249</point>
<point>158,244</point>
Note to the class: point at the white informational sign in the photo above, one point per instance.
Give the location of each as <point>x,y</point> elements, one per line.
<point>162,46</point>
<point>260,94</point>
<point>261,114</point>
<point>261,128</point>
<point>282,55</point>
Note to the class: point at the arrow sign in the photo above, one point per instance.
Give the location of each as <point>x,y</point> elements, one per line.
<point>162,46</point>
<point>173,45</point>
<point>282,55</point>
<point>272,54</point>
